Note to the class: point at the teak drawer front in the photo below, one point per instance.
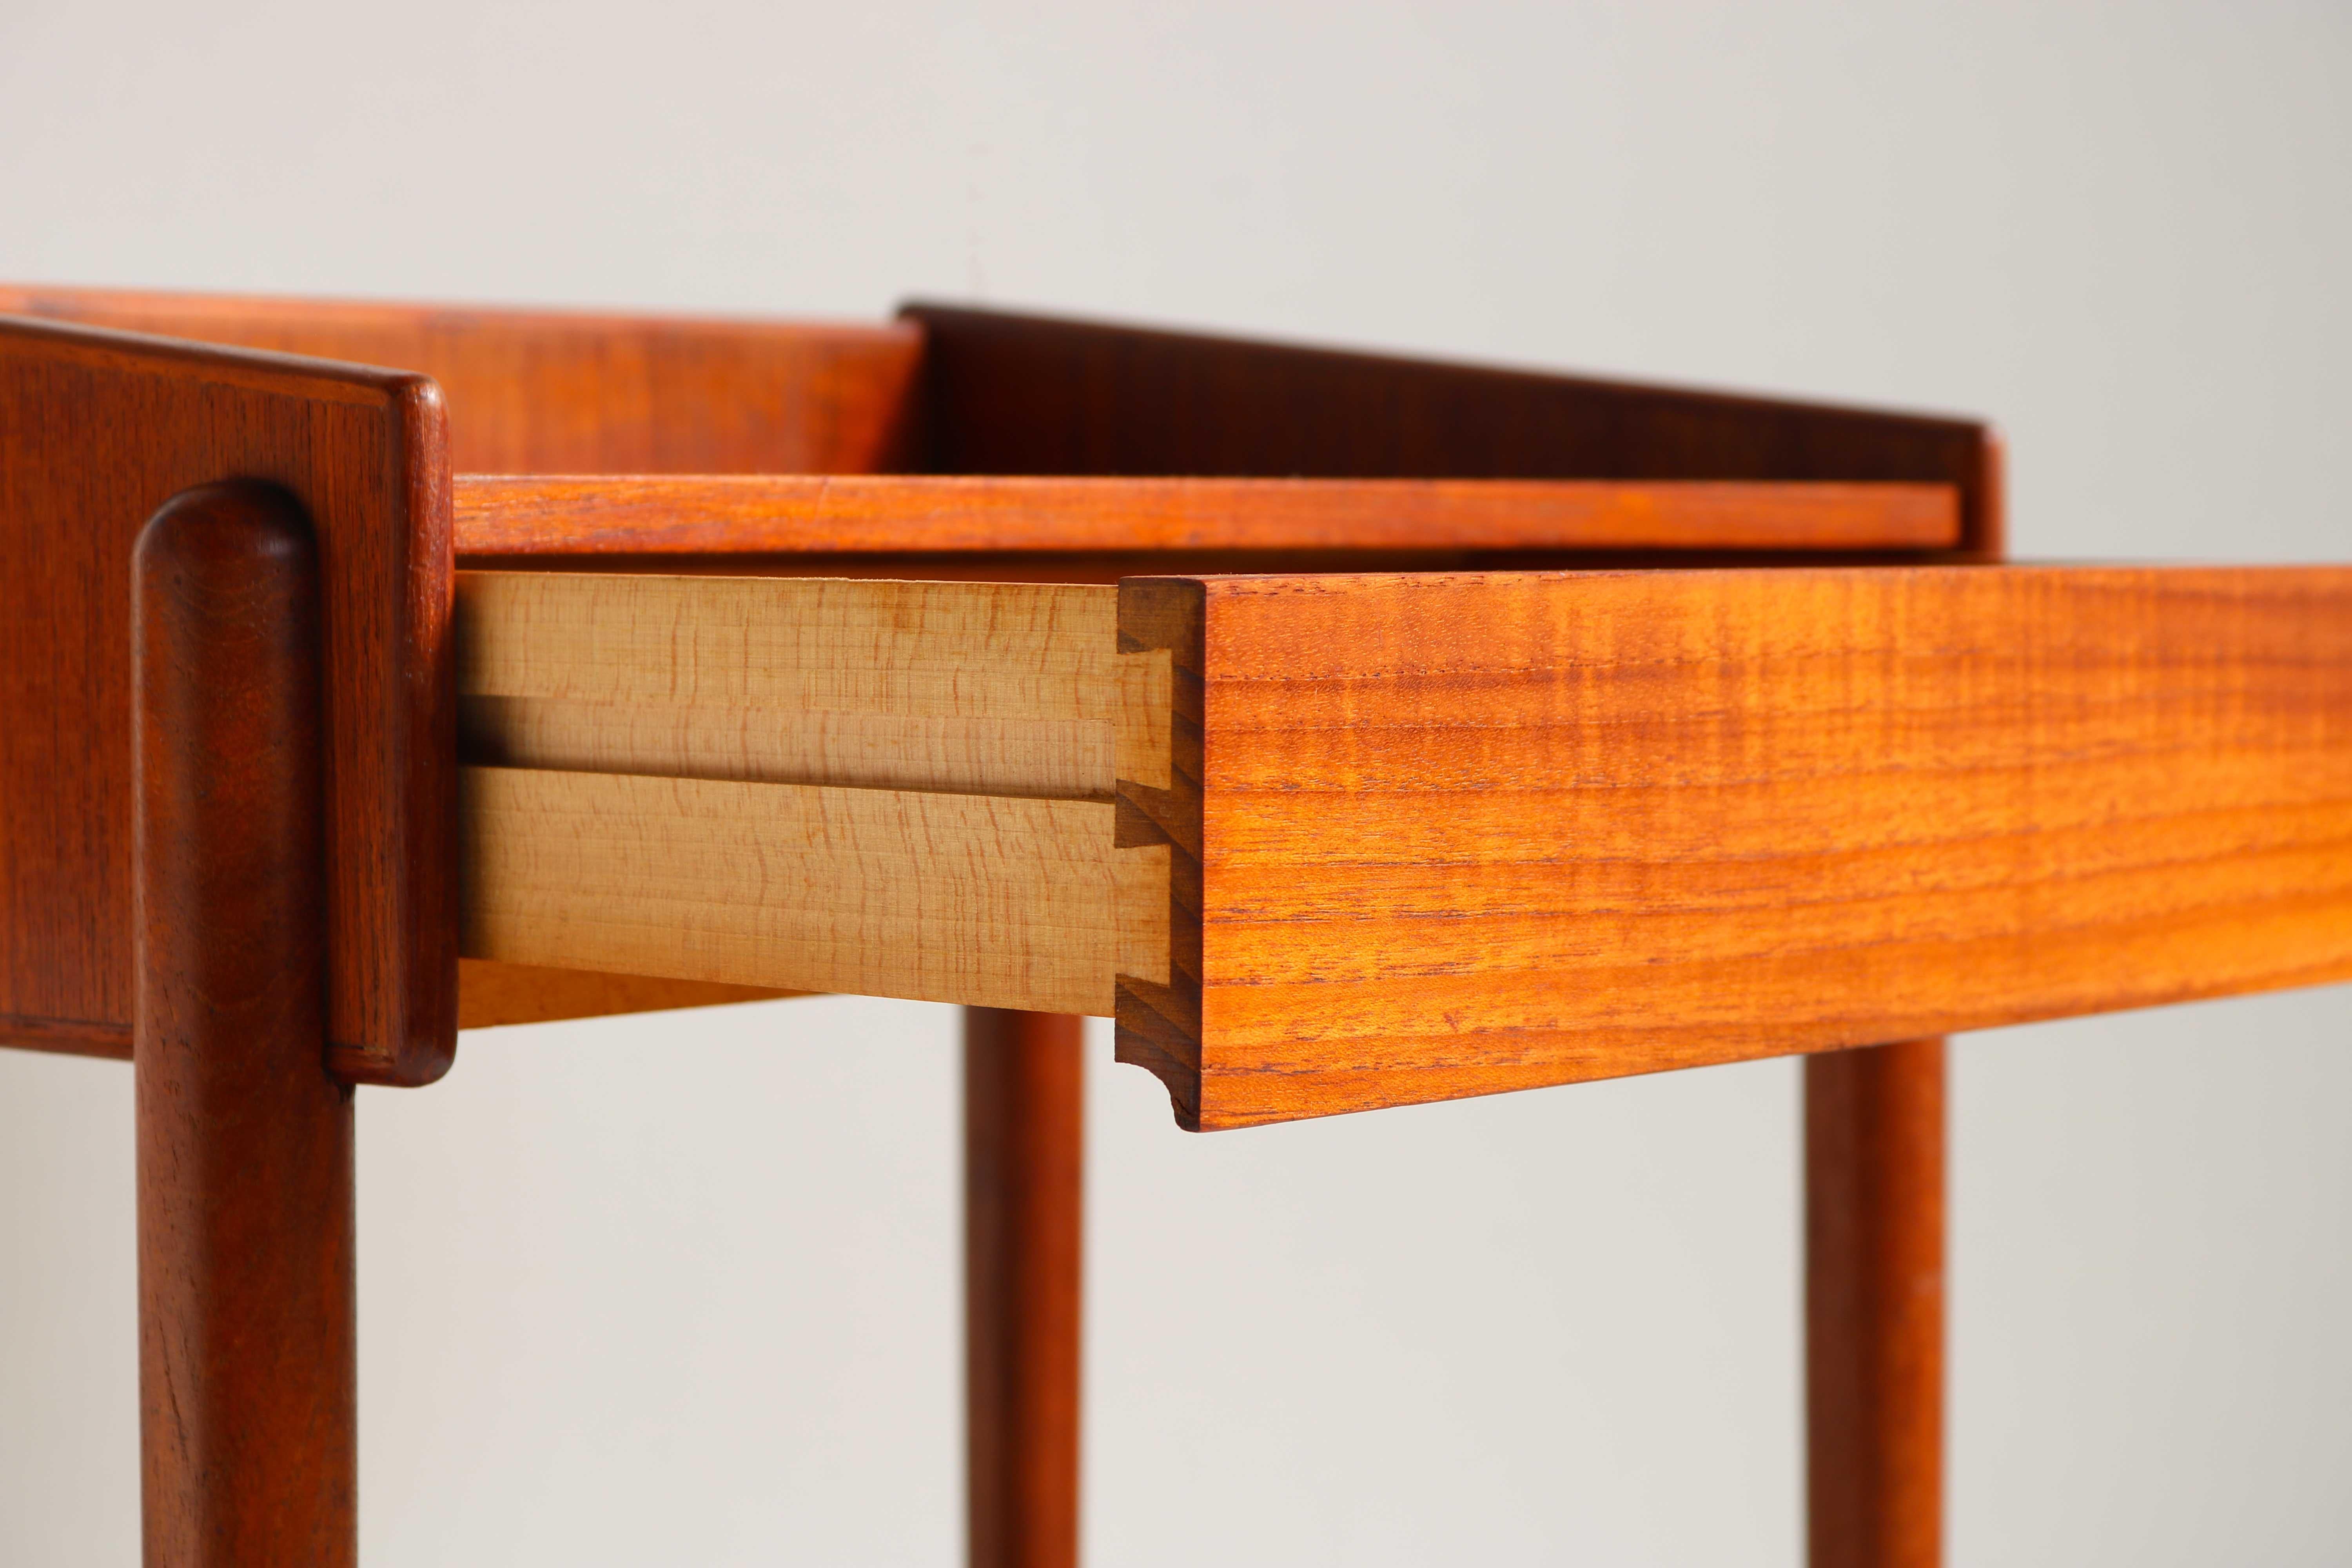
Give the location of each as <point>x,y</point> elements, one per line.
<point>1379,839</point>
<point>1460,834</point>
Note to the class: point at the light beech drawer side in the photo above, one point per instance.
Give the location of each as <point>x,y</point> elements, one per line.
<point>894,789</point>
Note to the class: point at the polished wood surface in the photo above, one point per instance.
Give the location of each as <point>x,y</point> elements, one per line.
<point>1874,1306</point>
<point>1025,1178</point>
<point>96,430</point>
<point>571,392</point>
<point>924,805</point>
<point>738,515</point>
<point>247,1369</point>
<point>1466,833</point>
<point>1004,393</point>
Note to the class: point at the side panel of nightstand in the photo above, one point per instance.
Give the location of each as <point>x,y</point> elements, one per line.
<point>99,430</point>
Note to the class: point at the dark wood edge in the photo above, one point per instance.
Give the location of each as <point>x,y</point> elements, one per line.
<point>1024,1243</point>
<point>1874,1287</point>
<point>335,381</point>
<point>247,1322</point>
<point>1079,371</point>
<point>424,1040</point>
<point>1158,1026</point>
<point>66,1037</point>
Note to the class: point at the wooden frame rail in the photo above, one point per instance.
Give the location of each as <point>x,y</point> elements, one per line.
<point>592,515</point>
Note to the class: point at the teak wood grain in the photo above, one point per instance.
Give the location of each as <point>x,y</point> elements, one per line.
<point>1007,393</point>
<point>561,392</point>
<point>98,430</point>
<point>1024,1238</point>
<point>881,821</point>
<point>1874,1306</point>
<point>1461,834</point>
<point>248,1340</point>
<point>575,392</point>
<point>752,515</point>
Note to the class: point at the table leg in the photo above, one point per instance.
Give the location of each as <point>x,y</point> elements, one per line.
<point>246,1357</point>
<point>1024,1165</point>
<point>1875,1305</point>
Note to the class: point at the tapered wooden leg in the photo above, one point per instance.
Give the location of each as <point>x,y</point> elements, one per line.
<point>1875,1305</point>
<point>1025,1167</point>
<point>246,1362</point>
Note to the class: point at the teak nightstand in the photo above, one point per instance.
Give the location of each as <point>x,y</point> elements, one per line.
<point>1357,732</point>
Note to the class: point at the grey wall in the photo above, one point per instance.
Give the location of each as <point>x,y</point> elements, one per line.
<point>682,1290</point>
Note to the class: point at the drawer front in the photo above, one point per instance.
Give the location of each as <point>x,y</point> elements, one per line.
<point>1331,843</point>
<point>1461,834</point>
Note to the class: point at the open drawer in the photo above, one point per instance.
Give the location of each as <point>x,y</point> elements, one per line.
<point>1357,731</point>
<point>1323,843</point>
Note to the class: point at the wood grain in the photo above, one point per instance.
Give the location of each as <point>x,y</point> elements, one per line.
<point>247,1342</point>
<point>575,392</point>
<point>1024,1185</point>
<point>963,742</point>
<point>1874,1306</point>
<point>1015,690</point>
<point>1006,393</point>
<point>1466,833</point>
<point>737,515</point>
<point>97,431</point>
<point>990,900</point>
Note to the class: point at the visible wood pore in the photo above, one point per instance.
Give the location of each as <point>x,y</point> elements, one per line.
<point>1024,1174</point>
<point>1474,832</point>
<point>1874,1306</point>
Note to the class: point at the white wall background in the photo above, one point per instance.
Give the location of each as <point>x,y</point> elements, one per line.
<point>682,1290</point>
